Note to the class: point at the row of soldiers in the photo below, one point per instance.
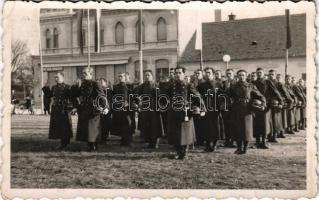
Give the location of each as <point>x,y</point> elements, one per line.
<point>238,110</point>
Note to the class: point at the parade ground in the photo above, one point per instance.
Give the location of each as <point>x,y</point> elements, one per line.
<point>35,163</point>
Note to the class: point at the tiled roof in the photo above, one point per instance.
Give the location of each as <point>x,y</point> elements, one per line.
<point>254,38</point>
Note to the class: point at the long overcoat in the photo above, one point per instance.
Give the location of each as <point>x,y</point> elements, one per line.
<point>150,119</point>
<point>60,119</point>
<point>180,131</point>
<point>288,101</point>
<point>88,113</point>
<point>210,91</point>
<point>300,97</point>
<point>291,112</point>
<point>198,120</point>
<point>227,112</point>
<point>242,94</point>
<point>47,94</point>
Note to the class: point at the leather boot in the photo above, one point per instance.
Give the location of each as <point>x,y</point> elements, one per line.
<point>239,147</point>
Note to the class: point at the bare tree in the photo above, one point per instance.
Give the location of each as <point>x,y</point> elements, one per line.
<point>20,54</point>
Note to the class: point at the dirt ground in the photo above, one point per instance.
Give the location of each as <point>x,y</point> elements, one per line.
<point>36,164</point>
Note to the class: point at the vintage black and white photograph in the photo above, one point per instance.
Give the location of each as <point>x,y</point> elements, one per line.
<point>151,97</point>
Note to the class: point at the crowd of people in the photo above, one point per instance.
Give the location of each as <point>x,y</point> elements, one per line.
<point>199,110</point>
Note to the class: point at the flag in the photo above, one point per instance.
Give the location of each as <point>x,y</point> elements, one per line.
<point>80,31</point>
<point>288,30</point>
<point>139,30</point>
<point>97,35</point>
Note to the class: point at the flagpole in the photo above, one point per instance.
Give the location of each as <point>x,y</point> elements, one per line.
<point>140,41</point>
<point>88,39</point>
<point>286,61</point>
<point>201,59</point>
<point>41,69</point>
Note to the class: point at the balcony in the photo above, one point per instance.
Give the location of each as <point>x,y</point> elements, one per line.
<point>113,48</point>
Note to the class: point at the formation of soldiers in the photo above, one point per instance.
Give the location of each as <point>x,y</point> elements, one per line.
<point>200,110</point>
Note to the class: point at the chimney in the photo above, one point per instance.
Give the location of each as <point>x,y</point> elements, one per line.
<point>231,17</point>
<point>218,15</point>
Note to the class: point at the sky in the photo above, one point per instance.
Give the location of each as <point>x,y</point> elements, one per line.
<point>24,19</point>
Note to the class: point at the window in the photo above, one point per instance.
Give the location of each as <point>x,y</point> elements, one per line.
<point>102,37</point>
<point>55,38</point>
<point>137,33</point>
<point>161,29</point>
<point>47,39</point>
<point>137,69</point>
<point>162,69</point>
<point>119,33</point>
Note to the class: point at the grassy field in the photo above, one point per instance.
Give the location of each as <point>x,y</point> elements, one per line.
<point>36,164</point>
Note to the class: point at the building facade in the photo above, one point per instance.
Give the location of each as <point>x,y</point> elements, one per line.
<point>118,50</point>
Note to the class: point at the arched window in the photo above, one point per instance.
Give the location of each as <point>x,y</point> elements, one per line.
<point>161,29</point>
<point>137,33</point>
<point>47,39</point>
<point>137,69</point>
<point>162,68</point>
<point>55,38</point>
<point>119,33</point>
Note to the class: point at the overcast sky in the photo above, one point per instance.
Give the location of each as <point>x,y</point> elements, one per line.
<point>24,19</point>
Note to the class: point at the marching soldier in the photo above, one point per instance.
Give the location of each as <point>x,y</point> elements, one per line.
<point>60,119</point>
<point>181,130</point>
<point>150,121</point>
<point>276,104</point>
<point>227,115</point>
<point>243,93</point>
<point>122,124</point>
<point>88,110</point>
<point>210,90</point>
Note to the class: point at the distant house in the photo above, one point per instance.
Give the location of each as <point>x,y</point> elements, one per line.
<point>251,43</point>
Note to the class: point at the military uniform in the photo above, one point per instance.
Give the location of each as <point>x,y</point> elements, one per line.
<point>122,123</point>
<point>60,119</point>
<point>303,114</point>
<point>105,119</point>
<point>46,99</point>
<point>149,118</point>
<point>242,93</point>
<point>301,101</point>
<point>211,121</point>
<point>88,113</point>
<point>181,132</point>
<point>291,111</point>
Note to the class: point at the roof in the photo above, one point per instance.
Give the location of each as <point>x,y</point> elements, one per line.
<point>254,38</point>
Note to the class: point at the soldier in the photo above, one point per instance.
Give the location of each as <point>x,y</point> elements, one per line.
<point>130,86</point>
<point>227,115</point>
<point>243,93</point>
<point>60,119</point>
<point>181,130</point>
<point>303,116</point>
<point>210,90</point>
<point>300,102</point>
<point>253,77</point>
<point>46,98</point>
<point>287,104</point>
<point>88,110</point>
<point>105,120</point>
<point>198,121</point>
<point>276,103</point>
<point>150,121</point>
<point>291,110</point>
<point>122,121</point>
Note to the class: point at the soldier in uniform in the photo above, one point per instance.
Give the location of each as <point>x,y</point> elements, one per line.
<point>243,93</point>
<point>276,102</point>
<point>303,115</point>
<point>287,104</point>
<point>210,90</point>
<point>253,77</point>
<point>105,119</point>
<point>300,102</point>
<point>291,111</point>
<point>219,80</point>
<point>181,130</point>
<point>150,121</point>
<point>122,121</point>
<point>227,115</point>
<point>60,119</point>
<point>88,110</point>
<point>46,98</point>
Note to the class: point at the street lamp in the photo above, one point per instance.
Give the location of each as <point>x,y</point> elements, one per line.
<point>226,59</point>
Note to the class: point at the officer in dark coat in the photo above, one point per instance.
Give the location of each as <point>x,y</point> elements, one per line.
<point>198,120</point>
<point>287,104</point>
<point>243,93</point>
<point>276,102</point>
<point>88,110</point>
<point>227,115</point>
<point>122,124</point>
<point>262,119</point>
<point>291,111</point>
<point>210,91</point>
<point>105,119</point>
<point>181,131</point>
<point>46,98</point>
<point>150,119</point>
<point>60,119</point>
